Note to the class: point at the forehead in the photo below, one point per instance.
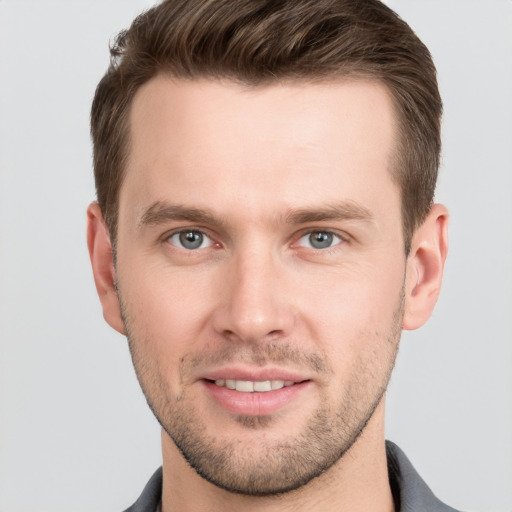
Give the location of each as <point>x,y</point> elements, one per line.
<point>286,142</point>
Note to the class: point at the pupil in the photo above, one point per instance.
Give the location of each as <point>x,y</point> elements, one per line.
<point>320,240</point>
<point>191,239</point>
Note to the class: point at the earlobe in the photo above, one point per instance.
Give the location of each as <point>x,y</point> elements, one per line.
<point>100,252</point>
<point>425,267</point>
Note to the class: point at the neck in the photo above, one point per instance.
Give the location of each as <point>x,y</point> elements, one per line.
<point>357,482</point>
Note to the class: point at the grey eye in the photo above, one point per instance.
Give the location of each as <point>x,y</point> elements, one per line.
<point>190,239</point>
<point>319,240</point>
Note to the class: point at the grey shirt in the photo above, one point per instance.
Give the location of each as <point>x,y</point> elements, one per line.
<point>410,492</point>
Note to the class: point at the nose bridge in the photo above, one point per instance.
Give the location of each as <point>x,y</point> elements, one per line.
<point>254,302</point>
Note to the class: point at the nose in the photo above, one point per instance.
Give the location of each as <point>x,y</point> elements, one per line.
<point>254,304</point>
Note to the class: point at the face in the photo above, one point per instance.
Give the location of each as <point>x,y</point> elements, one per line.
<point>260,271</point>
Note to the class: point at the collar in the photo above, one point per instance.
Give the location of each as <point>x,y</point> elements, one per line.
<point>410,492</point>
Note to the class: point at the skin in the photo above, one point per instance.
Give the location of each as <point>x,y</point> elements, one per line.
<point>258,170</point>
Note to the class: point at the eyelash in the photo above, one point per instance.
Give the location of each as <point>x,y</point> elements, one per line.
<point>182,231</point>
<point>331,238</point>
<point>342,239</point>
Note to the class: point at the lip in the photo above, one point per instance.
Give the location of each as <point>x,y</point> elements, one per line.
<point>255,403</point>
<point>256,374</point>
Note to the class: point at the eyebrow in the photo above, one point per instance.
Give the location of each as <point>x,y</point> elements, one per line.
<point>346,210</point>
<point>161,212</point>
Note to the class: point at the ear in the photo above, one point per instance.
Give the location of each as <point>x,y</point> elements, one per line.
<point>425,267</point>
<point>100,252</point>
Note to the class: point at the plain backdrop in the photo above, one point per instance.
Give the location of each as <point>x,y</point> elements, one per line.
<point>75,432</point>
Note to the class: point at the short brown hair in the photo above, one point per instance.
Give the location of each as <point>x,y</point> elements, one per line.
<point>258,42</point>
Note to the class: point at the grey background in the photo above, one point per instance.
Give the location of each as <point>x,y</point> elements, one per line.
<point>75,432</point>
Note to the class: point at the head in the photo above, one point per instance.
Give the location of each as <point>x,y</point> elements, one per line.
<point>265,42</point>
<point>265,177</point>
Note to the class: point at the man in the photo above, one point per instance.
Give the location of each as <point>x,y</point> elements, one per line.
<point>264,230</point>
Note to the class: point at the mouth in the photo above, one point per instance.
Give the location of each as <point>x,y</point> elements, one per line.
<point>255,395</point>
<point>249,386</point>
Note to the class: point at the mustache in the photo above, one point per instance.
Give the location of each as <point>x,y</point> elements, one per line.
<point>264,354</point>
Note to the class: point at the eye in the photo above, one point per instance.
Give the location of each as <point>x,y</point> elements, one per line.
<point>319,240</point>
<point>190,239</point>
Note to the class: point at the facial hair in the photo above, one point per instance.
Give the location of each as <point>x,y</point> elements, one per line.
<point>277,467</point>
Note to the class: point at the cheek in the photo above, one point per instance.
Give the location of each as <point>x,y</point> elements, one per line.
<point>353,309</point>
<point>165,310</point>
<point>164,324</point>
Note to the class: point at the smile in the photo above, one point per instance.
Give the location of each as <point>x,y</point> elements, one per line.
<point>255,397</point>
<point>249,386</point>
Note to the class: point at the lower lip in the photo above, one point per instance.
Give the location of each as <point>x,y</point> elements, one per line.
<point>256,403</point>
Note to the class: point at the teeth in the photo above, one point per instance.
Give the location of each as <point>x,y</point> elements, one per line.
<point>244,385</point>
<point>263,386</point>
<point>248,386</point>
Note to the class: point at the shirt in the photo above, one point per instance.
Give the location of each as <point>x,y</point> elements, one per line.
<point>410,492</point>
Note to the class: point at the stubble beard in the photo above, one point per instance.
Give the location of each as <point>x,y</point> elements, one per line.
<point>278,467</point>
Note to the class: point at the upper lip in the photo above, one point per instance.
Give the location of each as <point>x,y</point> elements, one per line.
<point>255,374</point>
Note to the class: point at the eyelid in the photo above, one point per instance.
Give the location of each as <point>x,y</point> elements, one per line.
<point>342,236</point>
<point>166,237</point>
